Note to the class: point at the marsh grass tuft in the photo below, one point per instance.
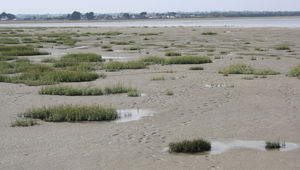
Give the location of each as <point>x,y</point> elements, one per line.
<point>283,47</point>
<point>116,65</point>
<point>158,78</point>
<point>196,68</point>
<point>209,33</point>
<point>23,122</point>
<point>295,72</point>
<point>84,91</point>
<point>70,113</point>
<point>134,93</point>
<point>169,92</point>
<point>189,60</point>
<point>19,51</point>
<point>193,146</point>
<point>273,145</point>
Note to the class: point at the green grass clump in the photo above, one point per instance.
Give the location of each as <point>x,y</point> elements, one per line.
<point>111,33</point>
<point>169,92</point>
<point>106,46</point>
<point>148,34</point>
<point>295,72</point>
<point>77,59</point>
<point>39,74</point>
<point>154,60</point>
<point>52,77</point>
<point>69,41</point>
<point>248,78</point>
<point>70,113</point>
<point>186,146</point>
<point>120,42</point>
<point>273,145</point>
<point>9,41</point>
<point>23,122</point>
<point>49,60</point>
<point>133,48</point>
<point>259,49</point>
<point>238,69</point>
<point>189,60</point>
<point>158,78</point>
<point>29,40</point>
<point>19,51</point>
<point>117,65</point>
<point>209,33</point>
<point>283,47</point>
<point>133,93</point>
<point>196,68</point>
<point>7,58</point>
<point>266,72</point>
<point>84,91</point>
<point>172,53</point>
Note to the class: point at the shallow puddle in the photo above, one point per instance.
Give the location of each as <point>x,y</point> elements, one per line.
<point>81,47</point>
<point>107,58</point>
<point>128,115</point>
<point>218,147</point>
<point>214,85</point>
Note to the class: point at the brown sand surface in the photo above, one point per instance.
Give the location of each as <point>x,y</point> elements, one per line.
<point>259,109</point>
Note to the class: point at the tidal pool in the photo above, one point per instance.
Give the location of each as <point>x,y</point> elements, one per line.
<point>128,115</point>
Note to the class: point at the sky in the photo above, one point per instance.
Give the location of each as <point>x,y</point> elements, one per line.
<point>116,6</point>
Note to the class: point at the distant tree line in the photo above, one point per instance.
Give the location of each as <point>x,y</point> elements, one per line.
<point>144,15</point>
<point>7,16</point>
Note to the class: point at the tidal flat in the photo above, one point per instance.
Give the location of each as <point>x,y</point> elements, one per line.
<point>247,101</point>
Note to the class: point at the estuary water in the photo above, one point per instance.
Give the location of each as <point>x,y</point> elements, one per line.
<point>290,22</point>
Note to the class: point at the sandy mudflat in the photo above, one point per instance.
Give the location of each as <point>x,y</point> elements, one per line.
<point>259,109</point>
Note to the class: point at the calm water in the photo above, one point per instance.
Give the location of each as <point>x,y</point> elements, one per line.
<point>264,22</point>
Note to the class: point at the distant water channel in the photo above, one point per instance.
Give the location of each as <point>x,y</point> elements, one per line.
<point>292,22</point>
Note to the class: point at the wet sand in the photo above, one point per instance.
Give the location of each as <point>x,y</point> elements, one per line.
<point>262,109</point>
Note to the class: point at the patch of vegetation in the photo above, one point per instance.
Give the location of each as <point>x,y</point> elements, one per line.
<point>133,48</point>
<point>116,65</point>
<point>29,40</point>
<point>259,49</point>
<point>49,60</point>
<point>69,41</point>
<point>253,58</point>
<point>76,59</point>
<point>120,42</point>
<point>70,113</point>
<point>210,50</point>
<point>248,78</point>
<point>133,93</point>
<point>115,33</point>
<point>106,46</point>
<point>7,58</point>
<point>238,69</point>
<point>189,60</point>
<point>246,69</point>
<point>158,78</point>
<point>172,53</point>
<point>23,122</point>
<point>266,72</point>
<point>217,57</point>
<point>9,41</point>
<point>154,60</point>
<point>209,33</point>
<point>19,51</point>
<point>196,68</point>
<point>84,91</point>
<point>283,47</point>
<point>295,72</point>
<point>273,145</point>
<point>148,34</point>
<point>193,146</point>
<point>169,92</point>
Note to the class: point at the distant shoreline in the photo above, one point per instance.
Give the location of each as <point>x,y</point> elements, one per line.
<point>139,20</point>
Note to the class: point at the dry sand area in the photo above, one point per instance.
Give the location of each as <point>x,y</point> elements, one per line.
<point>265,108</point>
